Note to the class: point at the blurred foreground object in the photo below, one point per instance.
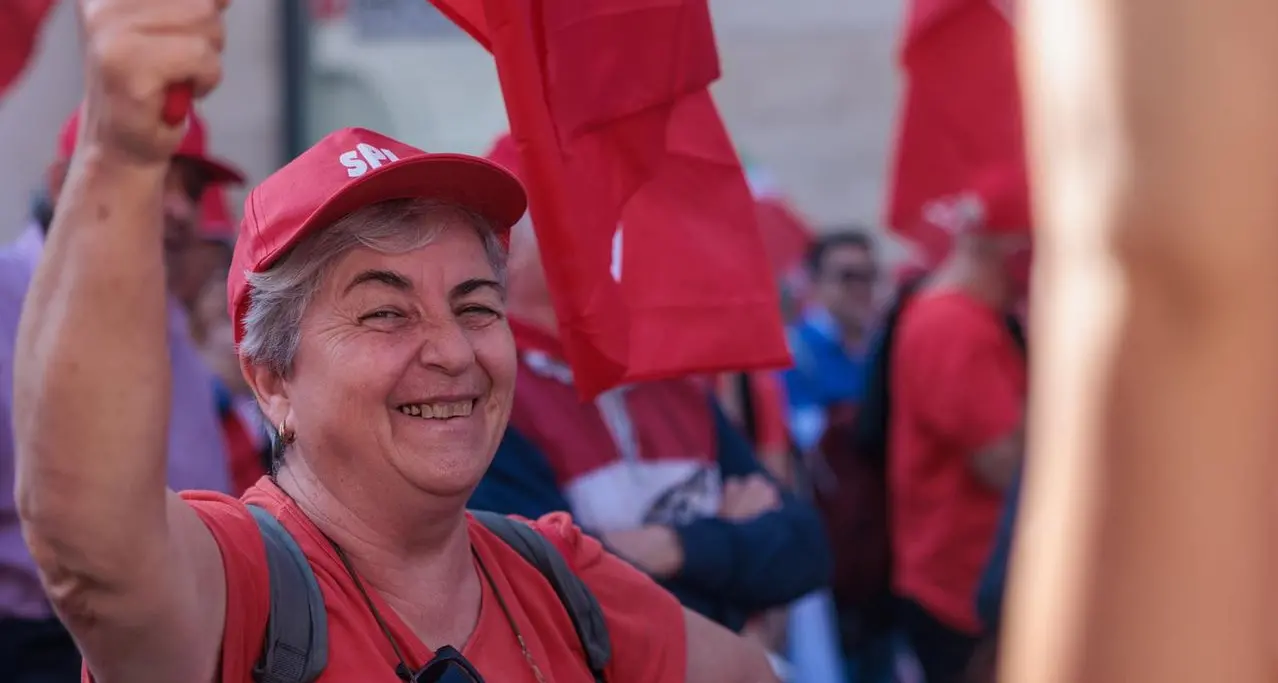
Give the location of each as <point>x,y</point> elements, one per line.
<point>1143,550</point>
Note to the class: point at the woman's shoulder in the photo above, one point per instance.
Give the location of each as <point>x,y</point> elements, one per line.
<point>238,534</point>
<point>220,508</point>
<point>644,621</point>
<point>220,512</point>
<point>619,587</point>
<point>557,528</point>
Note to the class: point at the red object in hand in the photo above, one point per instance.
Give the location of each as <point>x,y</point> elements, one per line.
<point>177,104</point>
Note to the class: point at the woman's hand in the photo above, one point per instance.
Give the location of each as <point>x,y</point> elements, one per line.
<point>135,50</point>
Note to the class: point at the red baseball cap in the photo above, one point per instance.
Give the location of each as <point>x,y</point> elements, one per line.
<point>350,169</point>
<point>193,148</point>
<point>1005,198</point>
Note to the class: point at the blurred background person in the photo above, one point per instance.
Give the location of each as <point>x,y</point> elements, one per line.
<point>245,432</point>
<point>957,385</point>
<point>829,341</point>
<point>654,469</point>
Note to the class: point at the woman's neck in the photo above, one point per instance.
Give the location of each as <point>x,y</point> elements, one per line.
<point>383,526</point>
<point>415,554</point>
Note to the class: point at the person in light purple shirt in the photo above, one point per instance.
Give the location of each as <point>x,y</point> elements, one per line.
<point>33,646</point>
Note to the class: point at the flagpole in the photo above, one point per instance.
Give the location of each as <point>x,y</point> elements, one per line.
<point>1144,542</point>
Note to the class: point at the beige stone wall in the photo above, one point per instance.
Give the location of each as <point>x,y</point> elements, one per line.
<point>243,114</point>
<point>809,91</point>
<point>32,114</point>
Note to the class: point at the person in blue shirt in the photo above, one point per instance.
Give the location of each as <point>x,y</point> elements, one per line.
<point>829,342</point>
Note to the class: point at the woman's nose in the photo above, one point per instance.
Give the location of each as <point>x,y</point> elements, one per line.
<point>446,347</point>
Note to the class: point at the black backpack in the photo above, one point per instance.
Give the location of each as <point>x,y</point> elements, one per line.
<point>295,649</point>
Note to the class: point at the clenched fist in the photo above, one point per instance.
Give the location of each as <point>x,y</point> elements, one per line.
<point>134,51</point>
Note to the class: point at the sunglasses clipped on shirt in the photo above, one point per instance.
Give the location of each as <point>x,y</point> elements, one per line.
<point>447,666</point>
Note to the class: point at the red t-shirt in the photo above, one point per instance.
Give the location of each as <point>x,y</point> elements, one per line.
<point>644,621</point>
<point>958,385</point>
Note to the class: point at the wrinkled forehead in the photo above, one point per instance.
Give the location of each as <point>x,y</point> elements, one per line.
<point>430,261</point>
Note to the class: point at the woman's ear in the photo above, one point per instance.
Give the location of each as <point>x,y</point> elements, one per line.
<point>269,388</point>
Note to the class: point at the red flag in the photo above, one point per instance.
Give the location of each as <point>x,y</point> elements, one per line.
<point>469,16</point>
<point>647,227</point>
<point>20,24</point>
<point>961,119</point>
<point>786,236</point>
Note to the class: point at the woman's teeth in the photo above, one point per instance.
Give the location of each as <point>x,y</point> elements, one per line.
<point>438,411</point>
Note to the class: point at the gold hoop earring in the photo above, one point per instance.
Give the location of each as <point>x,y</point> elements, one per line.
<point>286,436</point>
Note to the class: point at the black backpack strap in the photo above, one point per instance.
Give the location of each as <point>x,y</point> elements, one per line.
<point>583,608</point>
<point>1017,330</point>
<point>749,419</point>
<point>295,649</point>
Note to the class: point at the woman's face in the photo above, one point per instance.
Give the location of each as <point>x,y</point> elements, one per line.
<point>406,365</point>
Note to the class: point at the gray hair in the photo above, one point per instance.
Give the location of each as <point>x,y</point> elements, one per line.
<point>278,297</point>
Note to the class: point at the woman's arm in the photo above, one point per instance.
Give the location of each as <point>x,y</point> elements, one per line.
<point>132,572</point>
<point>717,655</point>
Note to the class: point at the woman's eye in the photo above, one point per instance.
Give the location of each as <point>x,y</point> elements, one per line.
<point>383,314</point>
<point>479,311</point>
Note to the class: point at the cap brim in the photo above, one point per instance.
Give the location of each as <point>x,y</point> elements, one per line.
<point>219,172</point>
<point>470,182</point>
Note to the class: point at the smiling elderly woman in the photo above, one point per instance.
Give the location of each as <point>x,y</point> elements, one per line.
<point>368,293</point>
<point>368,288</point>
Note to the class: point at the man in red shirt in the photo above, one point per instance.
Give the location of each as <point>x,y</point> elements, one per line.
<point>958,382</point>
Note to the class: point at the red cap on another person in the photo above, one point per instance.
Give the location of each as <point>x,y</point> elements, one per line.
<point>215,215</point>
<point>194,148</point>
<point>350,169</point>
<point>996,202</point>
<point>1005,200</point>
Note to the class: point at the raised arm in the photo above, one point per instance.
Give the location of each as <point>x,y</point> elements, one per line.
<point>121,557</point>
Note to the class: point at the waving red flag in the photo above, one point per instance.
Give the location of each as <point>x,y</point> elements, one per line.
<point>20,24</point>
<point>647,227</point>
<point>961,118</point>
<point>469,16</point>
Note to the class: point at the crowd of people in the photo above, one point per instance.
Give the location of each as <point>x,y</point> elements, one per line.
<point>391,360</point>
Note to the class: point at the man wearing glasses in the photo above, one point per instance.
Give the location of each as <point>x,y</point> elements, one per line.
<point>829,341</point>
